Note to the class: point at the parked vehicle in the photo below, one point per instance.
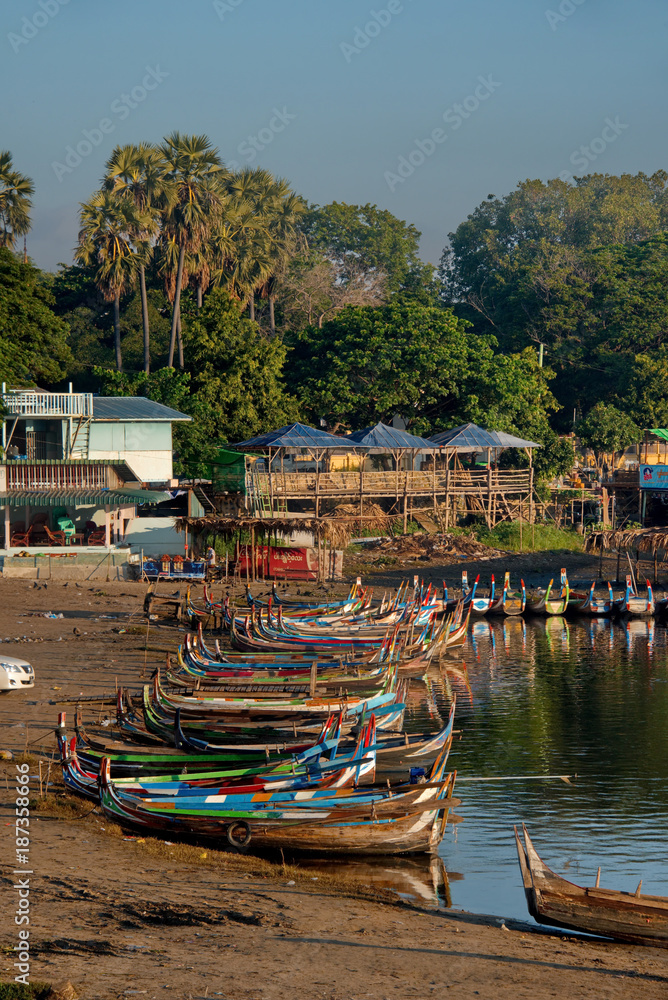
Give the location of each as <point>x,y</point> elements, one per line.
<point>15,674</point>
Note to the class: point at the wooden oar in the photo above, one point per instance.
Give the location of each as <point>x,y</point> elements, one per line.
<point>523,777</point>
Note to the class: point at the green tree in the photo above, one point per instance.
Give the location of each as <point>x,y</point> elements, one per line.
<point>236,385</point>
<point>108,240</point>
<point>139,173</point>
<point>195,172</point>
<point>368,364</point>
<point>645,389</point>
<point>16,191</point>
<point>607,430</point>
<point>33,340</point>
<point>364,242</point>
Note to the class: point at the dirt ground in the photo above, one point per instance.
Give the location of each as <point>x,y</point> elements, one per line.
<point>126,917</point>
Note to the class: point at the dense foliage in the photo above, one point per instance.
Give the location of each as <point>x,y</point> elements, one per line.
<point>225,295</point>
<point>33,341</point>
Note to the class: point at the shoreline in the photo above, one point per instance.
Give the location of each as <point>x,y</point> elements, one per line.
<point>229,925</point>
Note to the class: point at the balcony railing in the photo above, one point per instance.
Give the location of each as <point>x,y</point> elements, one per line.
<point>48,404</point>
<point>477,482</point>
<point>23,475</point>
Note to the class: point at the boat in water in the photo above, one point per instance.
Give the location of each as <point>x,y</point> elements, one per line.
<point>624,916</point>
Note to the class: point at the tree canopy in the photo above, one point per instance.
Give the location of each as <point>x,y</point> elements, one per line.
<point>33,340</point>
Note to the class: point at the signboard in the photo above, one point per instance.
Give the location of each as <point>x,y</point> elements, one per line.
<point>288,564</point>
<point>654,477</point>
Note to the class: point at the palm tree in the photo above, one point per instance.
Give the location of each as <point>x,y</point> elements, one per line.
<point>194,168</point>
<point>16,192</point>
<point>140,174</point>
<point>263,247</point>
<point>108,240</point>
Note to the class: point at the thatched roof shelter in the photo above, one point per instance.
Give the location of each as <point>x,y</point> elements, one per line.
<point>334,531</point>
<point>641,539</point>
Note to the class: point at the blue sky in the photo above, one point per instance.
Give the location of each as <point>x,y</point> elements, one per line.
<point>335,95</point>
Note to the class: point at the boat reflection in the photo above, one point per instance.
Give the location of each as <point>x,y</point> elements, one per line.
<point>421,880</point>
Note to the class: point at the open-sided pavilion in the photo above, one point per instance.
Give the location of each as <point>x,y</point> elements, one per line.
<point>492,492</point>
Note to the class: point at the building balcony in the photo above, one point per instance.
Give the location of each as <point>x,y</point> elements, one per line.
<point>48,404</point>
<point>21,474</point>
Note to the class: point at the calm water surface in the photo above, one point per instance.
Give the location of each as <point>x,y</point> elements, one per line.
<point>556,696</point>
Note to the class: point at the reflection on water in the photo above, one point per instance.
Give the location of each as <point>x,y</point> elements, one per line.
<point>548,696</point>
<point>418,878</point>
<point>560,696</point>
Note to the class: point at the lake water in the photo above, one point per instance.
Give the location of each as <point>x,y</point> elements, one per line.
<point>557,696</point>
<point>549,696</point>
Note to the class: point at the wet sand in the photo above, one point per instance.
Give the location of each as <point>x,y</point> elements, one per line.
<point>115,916</point>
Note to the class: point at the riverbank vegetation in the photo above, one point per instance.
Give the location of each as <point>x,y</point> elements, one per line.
<point>226,295</point>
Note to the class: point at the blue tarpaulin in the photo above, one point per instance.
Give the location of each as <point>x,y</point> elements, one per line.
<point>296,436</point>
<point>383,438</point>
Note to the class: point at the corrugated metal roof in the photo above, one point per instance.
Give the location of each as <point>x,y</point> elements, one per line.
<point>59,498</point>
<point>296,436</point>
<point>383,438</point>
<point>133,408</point>
<point>510,441</point>
<point>466,437</point>
<point>470,437</point>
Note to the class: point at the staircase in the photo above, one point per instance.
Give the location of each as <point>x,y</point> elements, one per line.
<point>80,445</point>
<point>205,500</point>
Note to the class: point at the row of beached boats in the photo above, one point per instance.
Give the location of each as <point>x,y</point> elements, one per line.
<point>292,739</point>
<point>559,600</point>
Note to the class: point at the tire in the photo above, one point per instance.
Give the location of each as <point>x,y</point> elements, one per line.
<point>239,834</point>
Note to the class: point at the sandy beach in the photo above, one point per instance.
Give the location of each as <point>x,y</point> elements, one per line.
<point>118,915</point>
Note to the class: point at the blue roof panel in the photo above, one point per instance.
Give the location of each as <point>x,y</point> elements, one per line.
<point>133,408</point>
<point>470,437</point>
<point>466,437</point>
<point>296,436</point>
<point>383,438</point>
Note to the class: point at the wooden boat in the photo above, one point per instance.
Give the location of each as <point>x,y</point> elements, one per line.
<point>482,605</point>
<point>543,602</point>
<point>625,916</point>
<point>631,605</point>
<point>589,604</point>
<point>374,820</point>
<point>510,602</point>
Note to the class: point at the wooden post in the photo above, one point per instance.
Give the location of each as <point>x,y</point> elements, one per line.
<point>319,557</point>
<point>532,512</point>
<point>619,554</point>
<point>271,488</point>
<point>107,526</point>
<point>520,524</point>
<point>253,554</point>
<point>447,497</point>
<point>488,512</point>
<point>433,458</point>
<point>600,562</point>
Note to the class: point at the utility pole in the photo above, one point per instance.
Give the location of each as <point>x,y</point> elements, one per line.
<point>540,355</point>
